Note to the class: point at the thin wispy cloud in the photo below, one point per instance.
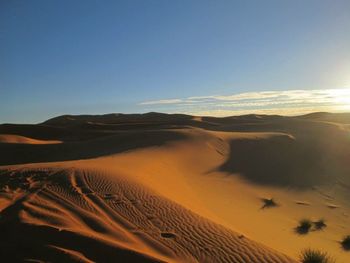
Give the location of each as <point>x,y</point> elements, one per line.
<point>270,102</point>
<point>157,102</point>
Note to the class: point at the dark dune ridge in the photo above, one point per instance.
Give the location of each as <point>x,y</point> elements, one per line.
<point>104,144</point>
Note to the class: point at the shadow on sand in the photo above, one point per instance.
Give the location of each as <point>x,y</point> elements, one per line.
<point>112,144</point>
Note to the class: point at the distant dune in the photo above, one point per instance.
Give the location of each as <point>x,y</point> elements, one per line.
<point>174,188</point>
<point>9,138</point>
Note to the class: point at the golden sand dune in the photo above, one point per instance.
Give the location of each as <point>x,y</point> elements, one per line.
<point>175,188</point>
<point>9,138</point>
<point>92,216</point>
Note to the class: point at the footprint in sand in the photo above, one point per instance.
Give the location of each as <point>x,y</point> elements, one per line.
<point>110,196</point>
<point>302,203</point>
<point>332,206</point>
<point>167,235</point>
<point>86,190</point>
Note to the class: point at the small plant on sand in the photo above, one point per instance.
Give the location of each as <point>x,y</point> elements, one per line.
<point>304,226</point>
<point>268,202</point>
<point>315,256</point>
<point>320,224</point>
<point>346,242</point>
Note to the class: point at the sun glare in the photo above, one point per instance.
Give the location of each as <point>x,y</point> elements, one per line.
<point>341,98</point>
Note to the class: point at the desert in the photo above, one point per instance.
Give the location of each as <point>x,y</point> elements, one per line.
<point>175,188</point>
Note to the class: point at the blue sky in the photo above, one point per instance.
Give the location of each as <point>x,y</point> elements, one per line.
<point>60,57</point>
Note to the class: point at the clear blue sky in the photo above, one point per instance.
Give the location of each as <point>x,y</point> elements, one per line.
<point>87,56</point>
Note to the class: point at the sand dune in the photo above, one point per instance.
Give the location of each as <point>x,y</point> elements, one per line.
<point>173,188</point>
<point>9,138</point>
<point>75,211</point>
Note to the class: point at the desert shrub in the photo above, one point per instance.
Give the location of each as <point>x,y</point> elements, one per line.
<point>304,226</point>
<point>346,242</point>
<point>268,202</point>
<point>320,224</point>
<point>315,256</point>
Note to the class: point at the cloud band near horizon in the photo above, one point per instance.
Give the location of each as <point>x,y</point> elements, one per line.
<point>288,102</point>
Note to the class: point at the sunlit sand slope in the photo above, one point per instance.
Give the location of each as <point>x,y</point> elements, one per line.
<point>84,215</point>
<point>9,138</point>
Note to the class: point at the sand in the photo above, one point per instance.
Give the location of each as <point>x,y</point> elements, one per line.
<point>173,188</point>
<point>9,138</point>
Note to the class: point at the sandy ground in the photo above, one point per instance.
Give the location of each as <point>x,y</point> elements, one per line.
<point>174,188</point>
<point>9,138</point>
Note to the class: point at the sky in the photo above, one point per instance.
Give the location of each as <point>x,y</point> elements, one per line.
<point>196,57</point>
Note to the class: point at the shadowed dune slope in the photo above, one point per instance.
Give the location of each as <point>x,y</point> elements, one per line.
<point>101,146</point>
<point>118,118</point>
<point>326,116</point>
<point>296,161</point>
